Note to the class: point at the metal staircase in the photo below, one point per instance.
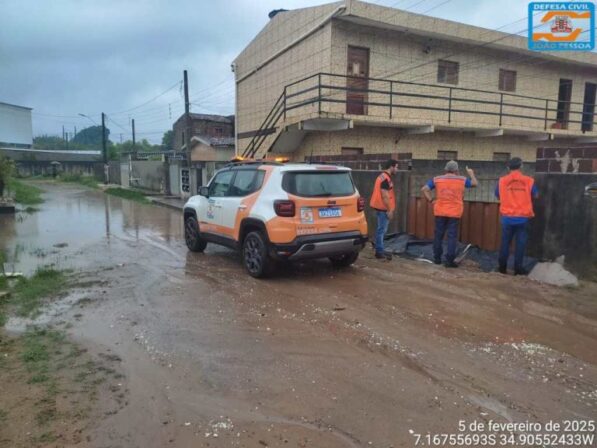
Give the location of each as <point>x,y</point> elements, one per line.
<point>267,128</point>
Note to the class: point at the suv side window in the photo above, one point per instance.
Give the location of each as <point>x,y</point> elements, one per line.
<point>221,184</point>
<point>246,182</point>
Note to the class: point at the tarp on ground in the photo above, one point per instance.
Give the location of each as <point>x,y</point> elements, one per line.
<point>409,246</point>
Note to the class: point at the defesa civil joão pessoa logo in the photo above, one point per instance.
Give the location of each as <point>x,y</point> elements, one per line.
<point>561,26</point>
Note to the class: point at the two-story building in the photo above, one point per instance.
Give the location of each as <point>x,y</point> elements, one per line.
<point>356,78</point>
<point>212,144</point>
<point>207,126</point>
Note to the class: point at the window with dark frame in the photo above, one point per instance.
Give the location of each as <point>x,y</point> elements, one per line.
<point>350,151</point>
<point>501,156</point>
<point>507,81</point>
<point>447,72</point>
<point>218,132</point>
<point>447,155</point>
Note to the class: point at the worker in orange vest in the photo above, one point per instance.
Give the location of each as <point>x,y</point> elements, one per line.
<point>383,201</point>
<point>515,192</point>
<point>448,206</point>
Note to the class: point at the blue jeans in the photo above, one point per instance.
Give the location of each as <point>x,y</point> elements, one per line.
<point>380,231</point>
<point>519,233</point>
<point>444,224</point>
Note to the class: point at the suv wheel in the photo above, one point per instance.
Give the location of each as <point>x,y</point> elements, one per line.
<point>344,260</point>
<point>255,257</point>
<point>191,235</point>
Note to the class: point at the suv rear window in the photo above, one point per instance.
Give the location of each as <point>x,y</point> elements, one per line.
<point>313,184</point>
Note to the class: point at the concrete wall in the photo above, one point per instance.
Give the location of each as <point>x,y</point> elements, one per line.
<point>45,168</point>
<point>365,181</point>
<point>114,172</point>
<point>149,174</point>
<point>207,153</point>
<point>566,222</point>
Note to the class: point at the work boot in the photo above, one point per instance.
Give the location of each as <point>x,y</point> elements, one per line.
<point>437,261</point>
<point>383,255</point>
<point>451,264</point>
<point>520,271</point>
<point>502,269</point>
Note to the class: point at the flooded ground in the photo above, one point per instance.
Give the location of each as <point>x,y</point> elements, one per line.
<point>374,355</point>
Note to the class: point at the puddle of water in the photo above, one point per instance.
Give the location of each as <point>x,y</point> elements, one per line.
<point>72,219</point>
<point>48,313</point>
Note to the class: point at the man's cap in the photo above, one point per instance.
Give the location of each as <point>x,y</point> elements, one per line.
<point>515,163</point>
<point>452,166</point>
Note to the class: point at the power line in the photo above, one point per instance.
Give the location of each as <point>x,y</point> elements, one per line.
<point>177,83</point>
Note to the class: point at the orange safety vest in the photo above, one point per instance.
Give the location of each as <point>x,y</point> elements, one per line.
<point>376,199</point>
<point>449,196</point>
<point>515,195</point>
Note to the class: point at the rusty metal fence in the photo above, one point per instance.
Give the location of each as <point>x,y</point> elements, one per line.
<point>479,224</point>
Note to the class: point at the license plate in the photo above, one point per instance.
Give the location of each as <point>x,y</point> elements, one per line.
<point>330,212</point>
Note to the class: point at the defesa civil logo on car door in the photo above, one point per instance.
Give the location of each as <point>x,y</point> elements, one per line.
<point>561,26</point>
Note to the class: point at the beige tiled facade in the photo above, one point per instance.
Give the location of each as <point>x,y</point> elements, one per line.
<point>387,140</point>
<point>409,57</point>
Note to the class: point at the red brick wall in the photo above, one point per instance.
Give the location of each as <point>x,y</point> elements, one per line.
<point>580,159</point>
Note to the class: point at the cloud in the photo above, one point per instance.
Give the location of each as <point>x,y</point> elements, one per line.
<point>66,57</point>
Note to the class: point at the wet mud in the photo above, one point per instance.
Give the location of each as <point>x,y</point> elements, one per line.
<point>314,357</point>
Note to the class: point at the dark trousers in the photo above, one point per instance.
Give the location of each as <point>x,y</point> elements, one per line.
<point>518,233</point>
<point>445,225</point>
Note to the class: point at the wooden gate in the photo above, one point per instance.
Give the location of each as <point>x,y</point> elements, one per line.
<point>480,223</point>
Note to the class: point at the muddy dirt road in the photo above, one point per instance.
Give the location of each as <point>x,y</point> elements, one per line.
<point>369,356</point>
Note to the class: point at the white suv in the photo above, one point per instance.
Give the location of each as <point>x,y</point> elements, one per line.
<point>271,211</point>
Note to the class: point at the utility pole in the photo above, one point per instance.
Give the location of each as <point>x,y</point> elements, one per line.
<point>75,133</point>
<point>134,141</point>
<point>63,132</point>
<point>188,133</point>
<point>104,150</point>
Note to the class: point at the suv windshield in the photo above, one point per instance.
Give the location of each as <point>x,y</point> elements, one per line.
<point>318,183</point>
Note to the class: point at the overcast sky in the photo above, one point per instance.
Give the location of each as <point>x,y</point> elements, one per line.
<point>65,57</point>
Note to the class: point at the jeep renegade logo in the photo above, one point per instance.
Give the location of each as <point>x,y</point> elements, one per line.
<point>561,26</point>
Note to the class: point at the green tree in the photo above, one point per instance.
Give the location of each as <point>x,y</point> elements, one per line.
<point>91,137</point>
<point>6,169</point>
<point>168,140</point>
<point>48,142</point>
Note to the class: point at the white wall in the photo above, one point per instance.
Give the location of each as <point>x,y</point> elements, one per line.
<point>15,125</point>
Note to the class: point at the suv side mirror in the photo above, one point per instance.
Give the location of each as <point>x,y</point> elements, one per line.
<point>204,191</point>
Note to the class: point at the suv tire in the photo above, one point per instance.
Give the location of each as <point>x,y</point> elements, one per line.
<point>344,260</point>
<point>191,235</point>
<point>255,255</point>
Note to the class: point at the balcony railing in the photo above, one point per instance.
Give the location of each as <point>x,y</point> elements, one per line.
<point>331,95</point>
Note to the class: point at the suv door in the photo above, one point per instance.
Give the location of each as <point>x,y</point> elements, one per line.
<point>245,183</point>
<point>210,219</point>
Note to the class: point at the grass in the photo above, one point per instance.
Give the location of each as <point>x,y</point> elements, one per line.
<point>24,193</point>
<point>131,195</point>
<point>87,181</point>
<point>28,293</point>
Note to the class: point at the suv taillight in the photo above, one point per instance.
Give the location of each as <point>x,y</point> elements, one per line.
<point>360,204</point>
<point>284,208</point>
